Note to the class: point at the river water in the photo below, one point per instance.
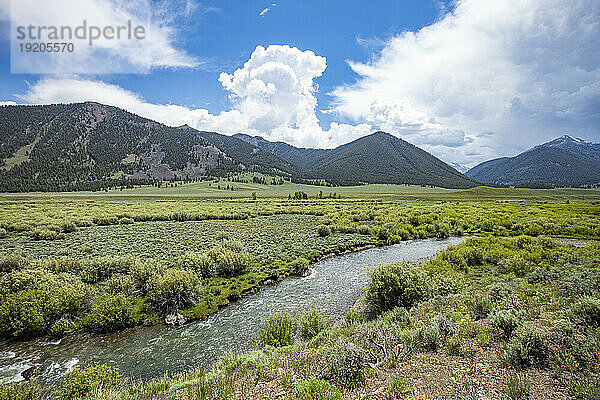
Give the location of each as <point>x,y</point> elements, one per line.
<point>148,352</point>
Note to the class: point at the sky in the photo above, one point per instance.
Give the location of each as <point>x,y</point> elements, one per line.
<point>467,80</point>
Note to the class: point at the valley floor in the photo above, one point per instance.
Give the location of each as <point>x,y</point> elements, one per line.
<point>494,317</point>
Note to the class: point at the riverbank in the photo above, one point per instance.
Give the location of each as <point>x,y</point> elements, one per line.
<point>482,326</point>
<point>332,288</point>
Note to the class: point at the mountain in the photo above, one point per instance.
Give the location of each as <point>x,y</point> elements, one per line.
<point>383,158</point>
<point>376,158</point>
<point>459,167</point>
<point>565,161</point>
<point>85,145</point>
<point>90,146</point>
<point>296,155</point>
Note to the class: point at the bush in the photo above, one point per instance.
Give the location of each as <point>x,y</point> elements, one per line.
<point>228,262</point>
<point>517,387</point>
<point>44,234</point>
<point>97,269</point>
<point>587,310</point>
<point>199,262</point>
<point>81,382</point>
<point>345,364</point>
<point>430,336</point>
<point>323,230</point>
<point>142,273</point>
<point>569,340</point>
<point>442,230</point>
<point>279,331</point>
<point>30,300</point>
<point>311,324</point>
<point>480,307</point>
<point>112,313</point>
<point>13,260</point>
<point>174,289</point>
<point>3,233</point>
<point>120,283</point>
<point>506,321</point>
<point>529,347</point>
<point>399,388</point>
<point>20,391</point>
<point>233,245</point>
<point>363,229</point>
<point>299,266</point>
<point>395,285</point>
<point>316,389</point>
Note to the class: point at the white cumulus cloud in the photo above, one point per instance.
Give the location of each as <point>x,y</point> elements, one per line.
<point>272,95</point>
<point>489,78</point>
<point>107,54</point>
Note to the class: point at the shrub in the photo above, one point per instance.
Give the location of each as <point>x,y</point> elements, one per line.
<point>400,284</point>
<point>506,320</point>
<point>44,234</point>
<point>142,273</point>
<point>199,262</point>
<point>299,266</point>
<point>233,245</point>
<point>311,324</point>
<point>174,289</point>
<point>354,317</point>
<point>3,233</point>
<point>120,283</point>
<point>363,229</point>
<point>316,389</point>
<point>399,388</point>
<point>97,269</point>
<point>430,336</point>
<point>32,299</point>
<point>20,391</point>
<point>68,227</point>
<point>112,313</point>
<point>481,307</point>
<point>323,230</point>
<point>587,310</point>
<point>568,341</point>
<point>517,387</point>
<point>529,347</point>
<point>442,230</point>
<point>345,364</point>
<point>228,262</point>
<point>279,331</point>
<point>81,382</point>
<point>13,260</point>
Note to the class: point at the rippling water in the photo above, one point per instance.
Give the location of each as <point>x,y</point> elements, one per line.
<point>147,352</point>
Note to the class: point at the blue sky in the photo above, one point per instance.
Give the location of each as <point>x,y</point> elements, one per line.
<point>467,80</point>
<point>223,34</point>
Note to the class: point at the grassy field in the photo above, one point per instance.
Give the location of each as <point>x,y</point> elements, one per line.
<point>108,261</point>
<point>209,190</point>
<point>490,318</point>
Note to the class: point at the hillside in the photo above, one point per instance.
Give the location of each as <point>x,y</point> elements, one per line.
<point>296,155</point>
<point>565,161</point>
<point>89,146</point>
<point>376,158</point>
<point>383,158</point>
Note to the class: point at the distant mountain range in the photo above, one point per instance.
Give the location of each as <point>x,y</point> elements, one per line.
<point>565,161</point>
<point>87,146</point>
<point>376,158</point>
<point>459,167</point>
<point>90,146</point>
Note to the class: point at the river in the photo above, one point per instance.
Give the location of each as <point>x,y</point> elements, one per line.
<point>148,352</point>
